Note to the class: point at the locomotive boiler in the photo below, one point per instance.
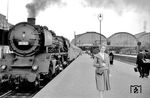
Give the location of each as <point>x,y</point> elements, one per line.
<point>38,55</point>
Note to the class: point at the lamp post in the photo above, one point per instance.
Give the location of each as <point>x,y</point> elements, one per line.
<point>139,46</point>
<point>75,38</point>
<point>100,17</point>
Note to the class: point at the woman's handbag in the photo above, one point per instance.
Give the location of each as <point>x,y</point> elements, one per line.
<point>99,71</point>
<point>135,69</point>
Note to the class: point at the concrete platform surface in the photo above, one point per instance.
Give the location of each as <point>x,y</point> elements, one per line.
<point>78,81</point>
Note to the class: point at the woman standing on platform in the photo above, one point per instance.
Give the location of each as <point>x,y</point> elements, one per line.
<point>102,63</point>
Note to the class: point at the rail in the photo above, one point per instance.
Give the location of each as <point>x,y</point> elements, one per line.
<point>126,58</point>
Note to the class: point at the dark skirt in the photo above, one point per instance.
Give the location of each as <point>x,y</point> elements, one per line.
<point>102,81</point>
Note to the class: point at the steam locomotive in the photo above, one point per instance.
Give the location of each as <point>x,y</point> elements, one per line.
<point>38,55</point>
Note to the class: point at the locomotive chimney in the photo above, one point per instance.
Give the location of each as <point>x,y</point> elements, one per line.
<point>31,20</point>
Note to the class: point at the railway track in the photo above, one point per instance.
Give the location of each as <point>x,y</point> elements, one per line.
<point>6,94</point>
<point>14,94</point>
<point>126,58</point>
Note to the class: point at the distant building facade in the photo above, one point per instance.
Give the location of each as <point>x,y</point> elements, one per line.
<point>123,39</point>
<point>120,42</point>
<point>89,39</point>
<point>145,41</point>
<point>4,23</point>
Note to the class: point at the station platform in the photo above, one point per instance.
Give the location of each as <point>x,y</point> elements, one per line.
<point>78,81</point>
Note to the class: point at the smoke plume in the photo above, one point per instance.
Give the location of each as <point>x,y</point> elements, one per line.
<point>121,5</point>
<point>38,5</point>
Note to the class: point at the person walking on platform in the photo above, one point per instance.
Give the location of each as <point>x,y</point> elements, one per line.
<point>111,55</point>
<point>139,63</point>
<point>147,63</point>
<point>102,63</point>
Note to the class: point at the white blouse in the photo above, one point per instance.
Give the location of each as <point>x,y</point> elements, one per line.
<point>102,55</point>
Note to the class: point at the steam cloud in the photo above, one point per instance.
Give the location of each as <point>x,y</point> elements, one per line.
<point>38,5</point>
<point>120,5</point>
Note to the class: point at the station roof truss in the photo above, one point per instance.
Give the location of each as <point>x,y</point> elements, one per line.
<point>139,34</point>
<point>145,39</point>
<point>123,39</point>
<point>89,39</point>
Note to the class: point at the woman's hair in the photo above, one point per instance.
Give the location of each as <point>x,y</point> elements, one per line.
<point>104,45</point>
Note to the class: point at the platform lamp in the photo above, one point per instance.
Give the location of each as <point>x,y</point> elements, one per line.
<point>100,17</point>
<point>139,46</point>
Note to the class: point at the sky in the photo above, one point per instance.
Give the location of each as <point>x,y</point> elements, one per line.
<point>68,16</point>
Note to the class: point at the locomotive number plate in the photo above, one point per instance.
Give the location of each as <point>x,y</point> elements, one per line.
<point>23,43</point>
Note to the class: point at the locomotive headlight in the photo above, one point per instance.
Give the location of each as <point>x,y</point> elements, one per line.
<point>3,67</point>
<point>35,67</point>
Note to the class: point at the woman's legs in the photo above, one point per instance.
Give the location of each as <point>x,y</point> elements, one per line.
<point>101,94</point>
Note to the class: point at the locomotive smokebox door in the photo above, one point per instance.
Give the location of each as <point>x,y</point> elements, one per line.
<point>25,39</point>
